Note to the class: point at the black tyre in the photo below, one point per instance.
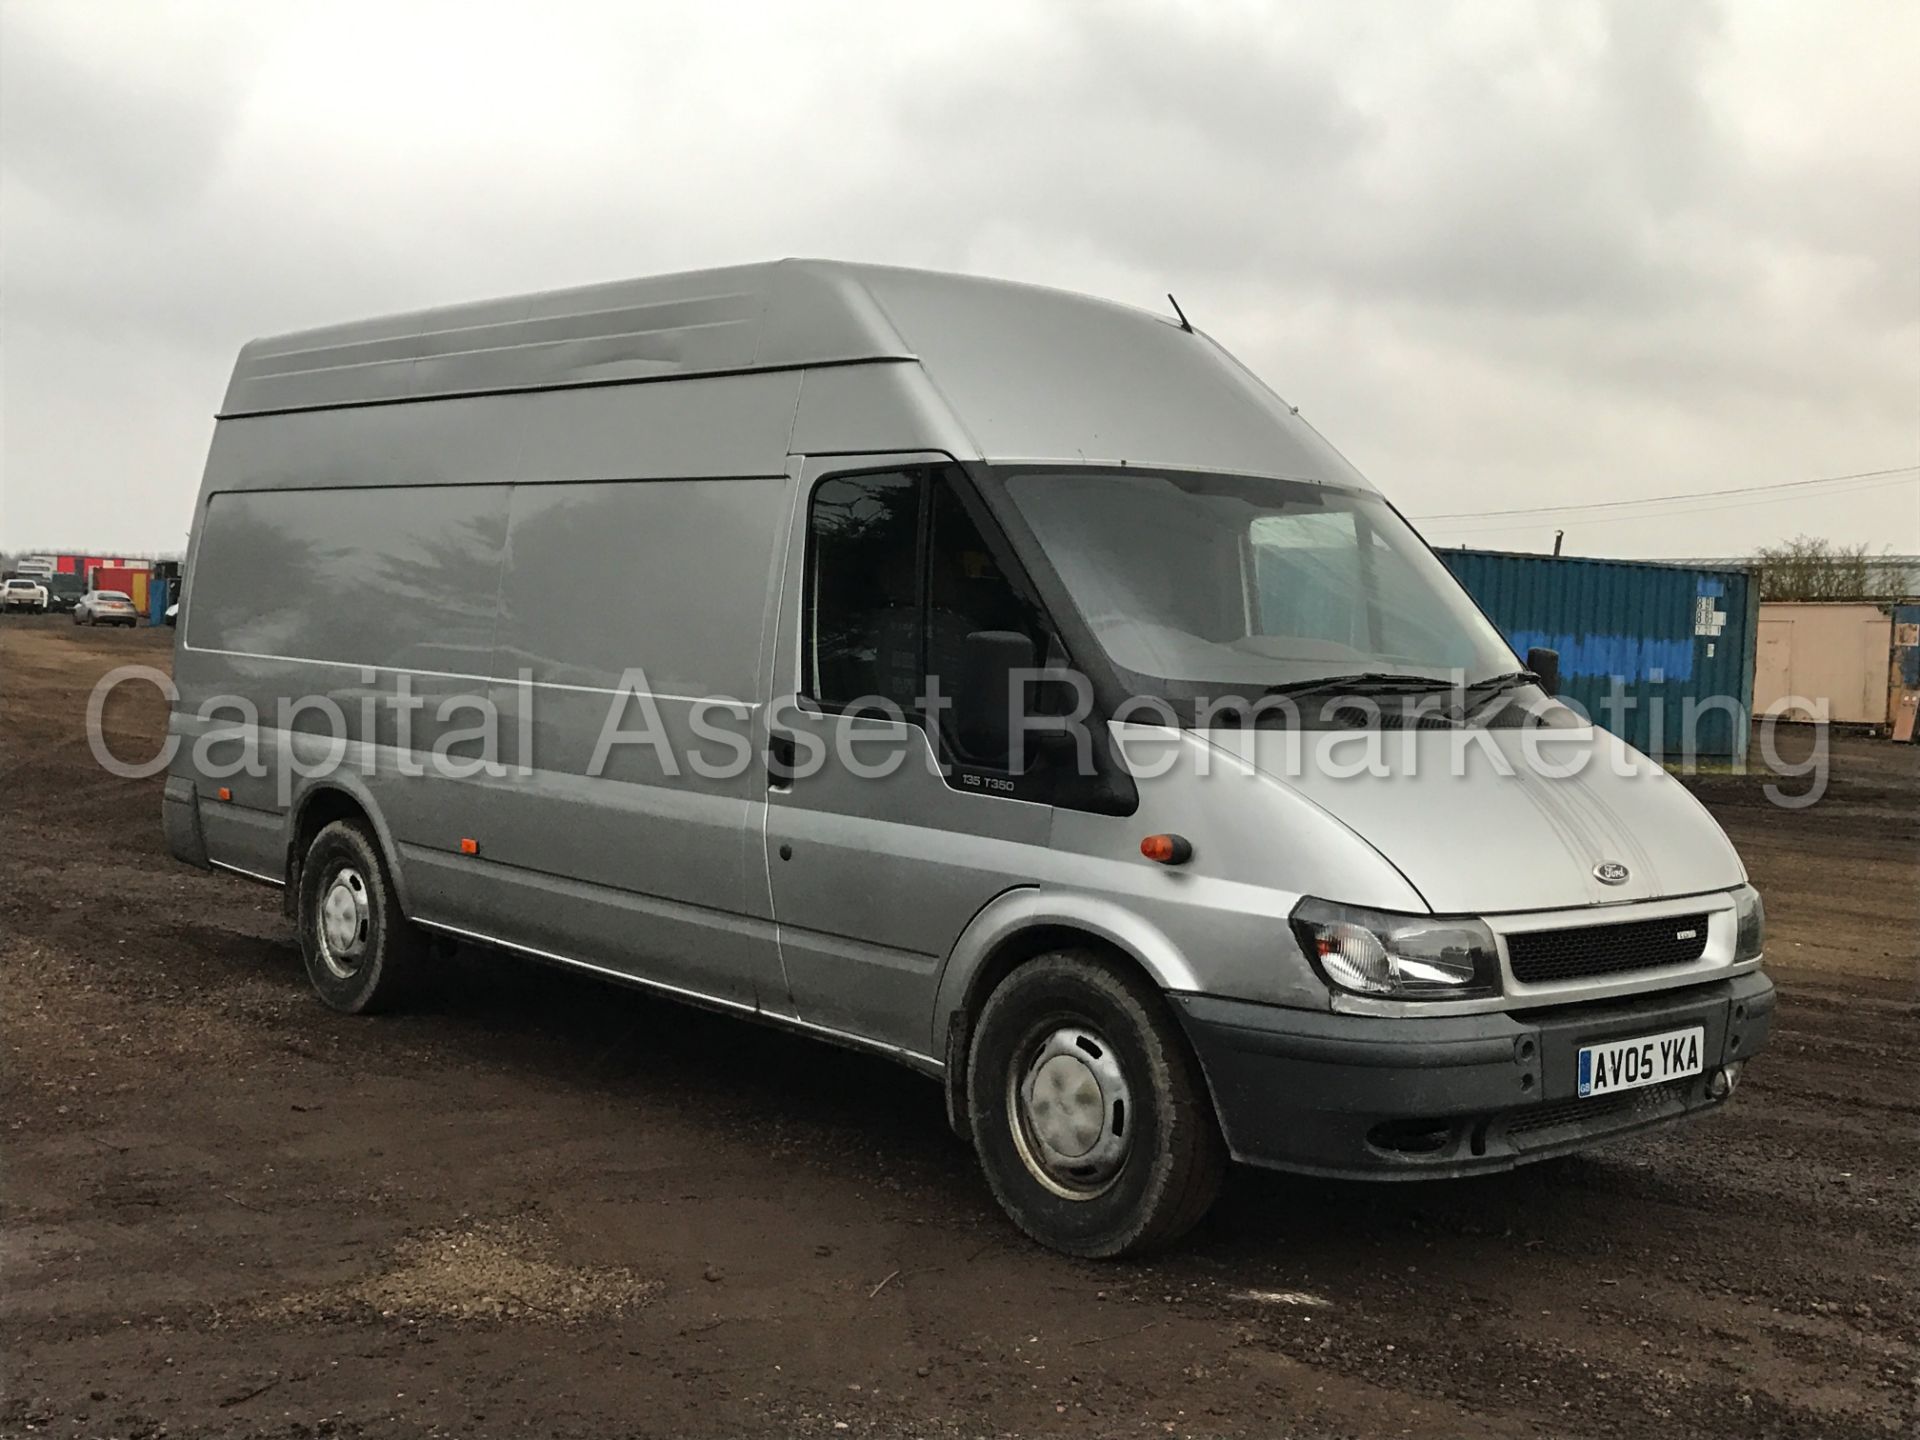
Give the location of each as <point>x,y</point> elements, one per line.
<point>362,954</point>
<point>1089,1111</point>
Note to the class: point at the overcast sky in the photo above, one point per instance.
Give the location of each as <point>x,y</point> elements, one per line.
<point>1502,255</point>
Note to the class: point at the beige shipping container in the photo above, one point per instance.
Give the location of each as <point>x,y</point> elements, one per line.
<point>1835,651</point>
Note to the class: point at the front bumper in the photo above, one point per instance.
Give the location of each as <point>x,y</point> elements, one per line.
<point>1417,1096</point>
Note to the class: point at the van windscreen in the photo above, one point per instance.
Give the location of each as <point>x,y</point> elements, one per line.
<point>1207,585</point>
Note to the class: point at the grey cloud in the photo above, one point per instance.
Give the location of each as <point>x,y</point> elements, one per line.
<point>1500,253</point>
<point>112,139</point>
<point>1135,134</point>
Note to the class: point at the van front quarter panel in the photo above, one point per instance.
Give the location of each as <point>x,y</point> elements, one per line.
<point>1215,924</point>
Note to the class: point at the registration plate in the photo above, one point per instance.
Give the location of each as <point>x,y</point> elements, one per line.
<point>1645,1060</point>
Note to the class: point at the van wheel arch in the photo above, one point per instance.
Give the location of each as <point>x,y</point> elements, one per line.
<point>316,810</point>
<point>1089,1111</point>
<point>1011,953</point>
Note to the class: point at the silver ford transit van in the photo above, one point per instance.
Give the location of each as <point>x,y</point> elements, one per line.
<point>994,678</point>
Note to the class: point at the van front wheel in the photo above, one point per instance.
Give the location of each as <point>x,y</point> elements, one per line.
<point>362,954</point>
<point>1089,1111</point>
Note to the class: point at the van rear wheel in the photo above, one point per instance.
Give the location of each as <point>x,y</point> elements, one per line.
<point>1089,1111</point>
<point>362,954</point>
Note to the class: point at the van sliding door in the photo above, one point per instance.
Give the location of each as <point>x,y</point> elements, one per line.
<point>628,672</point>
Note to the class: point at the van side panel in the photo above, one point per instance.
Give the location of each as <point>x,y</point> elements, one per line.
<point>403,578</point>
<point>371,466</point>
<point>636,609</point>
<point>724,425</point>
<point>316,611</point>
<point>349,554</point>
<point>667,575</point>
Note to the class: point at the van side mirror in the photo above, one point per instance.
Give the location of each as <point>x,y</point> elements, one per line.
<point>983,702</point>
<point>1546,664</point>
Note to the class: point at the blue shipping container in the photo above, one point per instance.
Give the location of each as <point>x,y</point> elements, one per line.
<point>1650,651</point>
<point>1906,651</point>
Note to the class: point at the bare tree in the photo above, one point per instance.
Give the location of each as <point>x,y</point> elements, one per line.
<point>1806,568</point>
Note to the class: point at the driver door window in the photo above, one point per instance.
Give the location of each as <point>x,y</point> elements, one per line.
<point>899,576</point>
<point>863,617</point>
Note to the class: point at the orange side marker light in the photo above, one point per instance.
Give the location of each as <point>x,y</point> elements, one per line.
<point>469,847</point>
<point>224,793</point>
<point>1167,849</point>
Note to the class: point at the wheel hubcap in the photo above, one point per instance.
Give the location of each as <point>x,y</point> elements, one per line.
<point>1071,1111</point>
<point>344,922</point>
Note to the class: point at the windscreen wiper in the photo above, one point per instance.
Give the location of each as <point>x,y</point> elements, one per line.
<point>1481,692</point>
<point>1378,682</point>
<point>1494,684</point>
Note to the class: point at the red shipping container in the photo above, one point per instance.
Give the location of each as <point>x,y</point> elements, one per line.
<point>96,566</point>
<point>119,577</point>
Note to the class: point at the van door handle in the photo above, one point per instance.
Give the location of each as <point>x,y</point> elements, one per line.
<point>783,753</point>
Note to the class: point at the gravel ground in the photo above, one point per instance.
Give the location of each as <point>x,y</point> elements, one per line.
<point>542,1204</point>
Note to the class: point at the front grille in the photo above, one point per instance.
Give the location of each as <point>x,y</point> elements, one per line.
<point>1540,956</point>
<point>1601,1112</point>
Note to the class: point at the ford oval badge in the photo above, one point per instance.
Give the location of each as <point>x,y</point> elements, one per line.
<point>1610,872</point>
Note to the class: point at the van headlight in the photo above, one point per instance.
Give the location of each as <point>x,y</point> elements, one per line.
<point>1405,957</point>
<point>1750,916</point>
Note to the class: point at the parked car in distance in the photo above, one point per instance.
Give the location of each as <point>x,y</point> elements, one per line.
<point>63,593</point>
<point>105,607</point>
<point>21,593</point>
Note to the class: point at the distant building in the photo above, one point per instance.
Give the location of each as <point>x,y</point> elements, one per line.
<point>1901,571</point>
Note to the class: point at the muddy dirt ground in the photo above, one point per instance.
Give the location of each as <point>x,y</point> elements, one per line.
<point>544,1205</point>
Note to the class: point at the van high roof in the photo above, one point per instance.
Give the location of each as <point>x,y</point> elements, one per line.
<point>1019,372</point>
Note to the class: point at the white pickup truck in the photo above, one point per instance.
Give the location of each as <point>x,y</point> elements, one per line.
<point>22,593</point>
